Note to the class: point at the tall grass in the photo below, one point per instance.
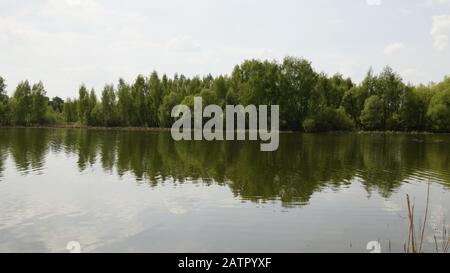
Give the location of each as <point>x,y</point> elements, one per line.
<point>416,237</point>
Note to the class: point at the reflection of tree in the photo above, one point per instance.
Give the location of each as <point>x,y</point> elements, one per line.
<point>28,148</point>
<point>303,165</point>
<point>4,145</point>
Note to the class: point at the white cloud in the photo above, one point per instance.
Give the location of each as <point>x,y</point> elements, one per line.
<point>413,73</point>
<point>184,44</point>
<point>428,3</point>
<point>393,48</point>
<point>441,42</point>
<point>441,31</point>
<point>373,2</point>
<point>68,42</point>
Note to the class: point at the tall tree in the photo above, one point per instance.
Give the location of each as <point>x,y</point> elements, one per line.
<point>3,95</point>
<point>83,105</point>
<point>439,111</point>
<point>165,110</point>
<point>4,104</point>
<point>138,93</point>
<point>412,111</point>
<point>94,118</point>
<point>125,103</point>
<point>371,117</point>
<point>353,103</point>
<point>156,94</point>
<point>338,87</point>
<point>57,104</point>
<point>39,103</point>
<point>390,89</point>
<point>70,111</point>
<point>22,104</point>
<point>221,89</point>
<point>109,106</point>
<point>298,82</point>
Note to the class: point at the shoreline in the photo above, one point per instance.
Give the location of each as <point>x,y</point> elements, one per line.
<point>157,129</point>
<point>77,126</point>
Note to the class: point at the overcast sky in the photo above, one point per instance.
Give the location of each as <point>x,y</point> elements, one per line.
<point>68,42</point>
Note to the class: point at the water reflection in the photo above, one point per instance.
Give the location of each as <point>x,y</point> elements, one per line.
<point>303,165</point>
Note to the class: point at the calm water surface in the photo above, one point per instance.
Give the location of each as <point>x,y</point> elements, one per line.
<point>122,191</point>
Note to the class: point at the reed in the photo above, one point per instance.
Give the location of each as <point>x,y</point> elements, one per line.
<point>416,238</point>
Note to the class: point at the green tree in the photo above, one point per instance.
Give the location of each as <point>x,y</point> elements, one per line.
<point>138,94</point>
<point>165,110</point>
<point>328,119</point>
<point>232,97</point>
<point>298,82</point>
<point>156,95</point>
<point>369,84</point>
<point>94,120</point>
<point>109,107</point>
<point>209,97</point>
<point>70,111</point>
<point>84,109</point>
<point>371,117</point>
<point>259,83</point>
<point>220,89</point>
<point>3,94</point>
<point>338,87</point>
<point>22,104</point>
<point>439,111</point>
<point>412,112</point>
<point>194,86</point>
<point>390,89</point>
<point>39,104</point>
<point>4,104</point>
<point>353,103</point>
<point>97,116</point>
<point>125,103</point>
<point>57,104</point>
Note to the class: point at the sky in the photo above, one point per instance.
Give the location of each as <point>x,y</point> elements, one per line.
<point>65,43</point>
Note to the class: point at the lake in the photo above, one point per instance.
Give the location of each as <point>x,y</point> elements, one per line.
<point>138,191</point>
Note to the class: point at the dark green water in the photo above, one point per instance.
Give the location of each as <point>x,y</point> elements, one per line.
<point>121,191</point>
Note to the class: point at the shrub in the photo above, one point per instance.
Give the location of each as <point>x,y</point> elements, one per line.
<point>329,120</point>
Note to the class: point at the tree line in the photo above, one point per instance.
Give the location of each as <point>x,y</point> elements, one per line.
<point>309,101</point>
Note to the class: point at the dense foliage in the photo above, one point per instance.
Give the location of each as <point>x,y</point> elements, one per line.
<point>309,101</point>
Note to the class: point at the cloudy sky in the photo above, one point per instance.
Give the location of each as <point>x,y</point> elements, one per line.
<point>68,42</point>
